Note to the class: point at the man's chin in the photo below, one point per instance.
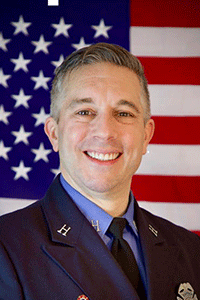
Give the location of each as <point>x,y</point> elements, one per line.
<point>100,186</point>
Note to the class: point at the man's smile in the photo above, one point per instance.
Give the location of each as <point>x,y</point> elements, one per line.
<point>103,156</point>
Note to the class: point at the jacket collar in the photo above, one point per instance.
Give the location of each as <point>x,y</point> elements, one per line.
<point>160,255</point>
<point>86,256</point>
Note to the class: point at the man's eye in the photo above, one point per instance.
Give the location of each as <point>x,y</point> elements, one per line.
<point>125,114</point>
<point>84,113</point>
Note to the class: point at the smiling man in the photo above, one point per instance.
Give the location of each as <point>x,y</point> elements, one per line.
<point>102,133</point>
<point>88,238</point>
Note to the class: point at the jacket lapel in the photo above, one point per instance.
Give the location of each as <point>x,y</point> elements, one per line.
<point>80,252</point>
<point>160,256</point>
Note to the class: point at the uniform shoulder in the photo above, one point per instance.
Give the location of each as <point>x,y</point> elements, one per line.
<point>171,230</point>
<point>19,218</point>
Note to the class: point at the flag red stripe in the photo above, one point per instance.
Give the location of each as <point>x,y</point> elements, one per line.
<point>164,70</point>
<point>164,13</point>
<point>176,130</point>
<point>166,188</point>
<point>170,70</point>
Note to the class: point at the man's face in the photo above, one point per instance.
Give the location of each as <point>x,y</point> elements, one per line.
<point>101,135</point>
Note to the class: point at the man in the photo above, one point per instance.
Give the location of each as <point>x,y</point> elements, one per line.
<point>65,246</point>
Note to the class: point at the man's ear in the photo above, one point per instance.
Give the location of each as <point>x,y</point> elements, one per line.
<point>51,131</point>
<point>149,131</point>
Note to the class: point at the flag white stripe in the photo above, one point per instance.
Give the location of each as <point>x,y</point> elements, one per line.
<point>53,2</point>
<point>165,41</point>
<point>8,205</point>
<point>182,214</point>
<point>175,100</point>
<point>182,160</point>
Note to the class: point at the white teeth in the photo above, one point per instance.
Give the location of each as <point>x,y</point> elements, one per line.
<point>103,157</point>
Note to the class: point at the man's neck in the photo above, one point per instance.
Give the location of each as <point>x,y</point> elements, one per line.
<point>115,205</point>
<point>114,202</point>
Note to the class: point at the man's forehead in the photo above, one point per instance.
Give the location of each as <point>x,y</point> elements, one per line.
<point>101,76</point>
<point>83,84</point>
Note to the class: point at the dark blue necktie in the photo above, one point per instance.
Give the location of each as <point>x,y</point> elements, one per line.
<point>124,255</point>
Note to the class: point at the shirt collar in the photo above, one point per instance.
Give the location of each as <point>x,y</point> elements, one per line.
<point>99,219</point>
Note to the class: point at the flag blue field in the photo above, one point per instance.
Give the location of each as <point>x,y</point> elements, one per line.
<point>34,39</point>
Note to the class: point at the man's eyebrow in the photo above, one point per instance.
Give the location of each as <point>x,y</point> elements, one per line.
<point>78,101</point>
<point>128,103</point>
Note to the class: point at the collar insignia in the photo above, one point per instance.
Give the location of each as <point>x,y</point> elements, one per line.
<point>186,292</point>
<point>153,230</point>
<point>134,223</point>
<point>64,230</point>
<point>95,224</point>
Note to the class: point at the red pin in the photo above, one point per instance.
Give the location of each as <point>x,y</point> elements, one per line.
<point>82,297</point>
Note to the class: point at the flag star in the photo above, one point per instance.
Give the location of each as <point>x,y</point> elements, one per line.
<point>21,99</point>
<point>62,28</point>
<point>59,62</point>
<point>55,171</point>
<point>101,29</point>
<point>41,45</point>
<point>4,115</point>
<point>41,153</point>
<point>21,63</point>
<point>4,150</point>
<point>21,171</point>
<point>4,78</point>
<point>81,44</point>
<point>41,81</point>
<point>3,42</point>
<point>21,135</point>
<point>41,117</point>
<point>21,26</point>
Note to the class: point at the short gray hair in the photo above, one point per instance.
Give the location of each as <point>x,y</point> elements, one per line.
<point>97,53</point>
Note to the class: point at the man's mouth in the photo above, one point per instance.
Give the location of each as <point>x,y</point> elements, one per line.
<point>103,156</point>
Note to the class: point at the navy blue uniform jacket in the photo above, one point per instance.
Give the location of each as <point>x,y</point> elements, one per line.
<point>40,261</point>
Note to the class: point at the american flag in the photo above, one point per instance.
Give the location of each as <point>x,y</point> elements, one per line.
<point>164,35</point>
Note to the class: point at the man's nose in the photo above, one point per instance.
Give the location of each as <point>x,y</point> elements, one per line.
<point>105,127</point>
